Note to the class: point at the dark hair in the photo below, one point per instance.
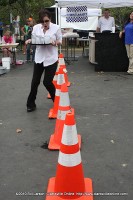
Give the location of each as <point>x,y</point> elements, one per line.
<point>128,20</point>
<point>106,10</point>
<point>43,13</point>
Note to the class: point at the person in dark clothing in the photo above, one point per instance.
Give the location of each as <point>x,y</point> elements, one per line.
<point>1,28</point>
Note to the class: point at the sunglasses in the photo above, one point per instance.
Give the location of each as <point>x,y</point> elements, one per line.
<point>45,21</point>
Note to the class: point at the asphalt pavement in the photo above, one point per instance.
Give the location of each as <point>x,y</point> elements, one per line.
<point>103,104</point>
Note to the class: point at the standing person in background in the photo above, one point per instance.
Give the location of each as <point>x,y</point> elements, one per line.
<point>128,30</point>
<point>106,22</point>
<point>29,47</point>
<point>1,28</point>
<point>25,30</point>
<point>46,57</point>
<point>16,27</point>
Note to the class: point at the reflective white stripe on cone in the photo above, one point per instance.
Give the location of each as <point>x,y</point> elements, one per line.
<point>72,138</point>
<point>61,59</point>
<point>69,160</point>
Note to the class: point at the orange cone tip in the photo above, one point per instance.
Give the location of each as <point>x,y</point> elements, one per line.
<point>70,119</point>
<point>61,55</point>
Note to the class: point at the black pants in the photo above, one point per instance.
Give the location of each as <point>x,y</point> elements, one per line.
<point>47,81</point>
<point>1,33</point>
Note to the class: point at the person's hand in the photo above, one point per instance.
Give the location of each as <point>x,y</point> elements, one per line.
<point>54,43</point>
<point>28,41</point>
<point>120,34</point>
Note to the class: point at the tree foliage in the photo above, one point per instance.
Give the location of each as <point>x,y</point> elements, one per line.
<point>23,8</point>
<point>7,2</point>
<point>121,14</point>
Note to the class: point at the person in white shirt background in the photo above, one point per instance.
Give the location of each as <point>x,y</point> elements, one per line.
<point>46,57</point>
<point>105,23</point>
<point>16,25</point>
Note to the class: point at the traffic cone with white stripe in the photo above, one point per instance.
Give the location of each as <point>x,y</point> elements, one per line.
<point>56,75</point>
<point>60,80</point>
<point>64,108</point>
<point>66,76</point>
<point>62,64</point>
<point>69,182</point>
<point>61,59</point>
<point>54,80</point>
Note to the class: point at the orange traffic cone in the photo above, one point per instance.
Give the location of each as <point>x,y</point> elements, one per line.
<point>61,59</point>
<point>54,80</point>
<point>69,182</point>
<point>66,76</point>
<point>64,108</point>
<point>60,80</point>
<point>56,75</point>
<point>62,64</point>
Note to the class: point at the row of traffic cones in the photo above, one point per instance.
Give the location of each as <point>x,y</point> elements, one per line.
<point>61,63</point>
<point>63,109</point>
<point>69,182</point>
<point>60,80</point>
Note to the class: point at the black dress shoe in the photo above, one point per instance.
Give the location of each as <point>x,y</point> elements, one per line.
<point>31,109</point>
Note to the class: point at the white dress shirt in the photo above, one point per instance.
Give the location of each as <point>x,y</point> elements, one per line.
<point>48,54</point>
<point>106,23</point>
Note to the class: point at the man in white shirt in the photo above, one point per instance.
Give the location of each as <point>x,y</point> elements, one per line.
<point>106,22</point>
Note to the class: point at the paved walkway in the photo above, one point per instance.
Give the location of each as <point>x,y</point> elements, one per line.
<point>103,105</point>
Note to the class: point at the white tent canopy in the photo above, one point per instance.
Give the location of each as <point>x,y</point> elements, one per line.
<point>96,3</point>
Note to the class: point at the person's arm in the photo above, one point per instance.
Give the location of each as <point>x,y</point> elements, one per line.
<point>3,40</point>
<point>121,33</point>
<point>22,29</point>
<point>11,39</point>
<point>33,32</point>
<point>58,38</point>
<point>28,41</point>
<point>98,30</point>
<point>113,22</point>
<point>99,25</point>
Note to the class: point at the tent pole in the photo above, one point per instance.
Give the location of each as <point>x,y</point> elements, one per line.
<point>60,26</point>
<point>58,20</point>
<point>56,13</point>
